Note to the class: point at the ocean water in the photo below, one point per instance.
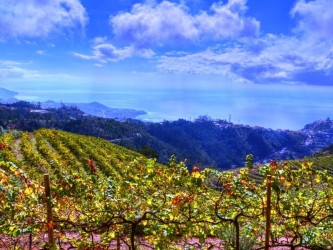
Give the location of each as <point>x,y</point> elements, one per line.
<point>276,107</point>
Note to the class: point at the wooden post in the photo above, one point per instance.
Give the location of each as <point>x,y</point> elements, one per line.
<point>49,219</point>
<point>118,241</point>
<point>268,211</point>
<point>30,241</point>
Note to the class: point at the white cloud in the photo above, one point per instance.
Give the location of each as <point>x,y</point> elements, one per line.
<point>199,63</point>
<point>316,17</point>
<point>265,60</point>
<point>35,18</point>
<point>104,52</point>
<point>107,52</point>
<point>226,21</point>
<point>40,52</point>
<point>20,70</point>
<point>306,56</point>
<point>151,24</point>
<point>99,40</point>
<point>13,69</point>
<point>234,46</point>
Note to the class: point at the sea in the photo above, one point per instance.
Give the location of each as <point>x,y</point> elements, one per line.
<point>276,107</point>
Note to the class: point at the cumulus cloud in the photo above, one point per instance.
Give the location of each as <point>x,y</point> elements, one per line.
<point>316,17</point>
<point>150,24</point>
<point>306,56</point>
<point>35,18</point>
<point>234,46</point>
<point>106,52</point>
<point>226,21</point>
<point>166,23</point>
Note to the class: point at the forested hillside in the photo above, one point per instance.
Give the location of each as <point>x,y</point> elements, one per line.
<point>205,142</point>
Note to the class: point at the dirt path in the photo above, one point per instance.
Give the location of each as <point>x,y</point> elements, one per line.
<point>17,149</point>
<point>33,141</point>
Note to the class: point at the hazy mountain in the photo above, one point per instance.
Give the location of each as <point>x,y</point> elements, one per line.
<point>93,108</point>
<point>96,109</point>
<point>7,96</point>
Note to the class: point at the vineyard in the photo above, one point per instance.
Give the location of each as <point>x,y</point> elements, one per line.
<point>106,197</point>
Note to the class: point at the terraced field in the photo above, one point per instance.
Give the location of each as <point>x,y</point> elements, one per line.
<point>44,151</point>
<point>318,163</point>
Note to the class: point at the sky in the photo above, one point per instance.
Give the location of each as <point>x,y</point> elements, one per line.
<point>169,44</point>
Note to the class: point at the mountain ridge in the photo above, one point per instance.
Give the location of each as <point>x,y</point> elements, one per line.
<point>97,109</point>
<point>92,108</point>
<point>7,96</point>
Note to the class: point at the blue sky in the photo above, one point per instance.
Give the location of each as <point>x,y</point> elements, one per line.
<point>166,44</point>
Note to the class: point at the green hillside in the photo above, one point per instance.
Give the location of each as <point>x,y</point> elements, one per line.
<point>106,197</point>
<point>45,151</point>
<point>321,163</point>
